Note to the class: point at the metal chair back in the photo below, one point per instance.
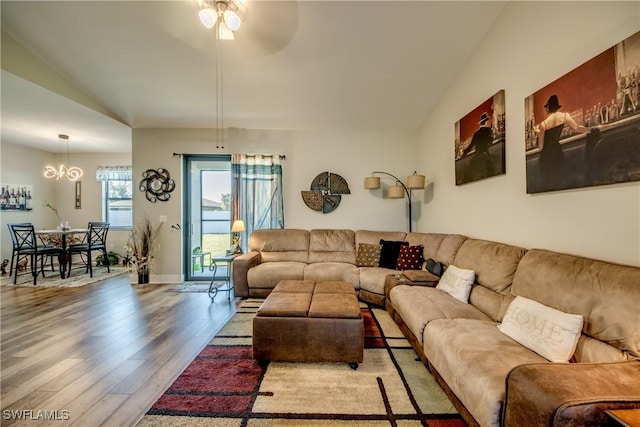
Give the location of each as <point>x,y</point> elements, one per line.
<point>14,243</point>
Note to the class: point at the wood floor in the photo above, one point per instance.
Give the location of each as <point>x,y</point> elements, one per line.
<point>98,355</point>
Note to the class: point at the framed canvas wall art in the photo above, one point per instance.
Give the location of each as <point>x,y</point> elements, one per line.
<point>480,141</point>
<point>584,128</point>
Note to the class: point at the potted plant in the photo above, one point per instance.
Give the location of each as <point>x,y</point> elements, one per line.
<point>141,247</point>
<point>112,258</point>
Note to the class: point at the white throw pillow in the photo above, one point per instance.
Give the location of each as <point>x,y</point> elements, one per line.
<point>457,282</point>
<point>551,333</point>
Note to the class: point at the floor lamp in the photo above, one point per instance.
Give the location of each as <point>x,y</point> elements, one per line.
<point>397,191</point>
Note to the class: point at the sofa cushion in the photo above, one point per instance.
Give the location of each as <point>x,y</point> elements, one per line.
<point>269,274</point>
<point>410,257</point>
<point>442,247</point>
<point>373,237</point>
<point>419,305</point>
<point>390,252</point>
<point>495,266</point>
<point>547,331</point>
<point>605,294</point>
<point>368,255</point>
<point>457,282</point>
<point>474,358</point>
<point>332,246</point>
<point>281,245</point>
<point>320,271</point>
<point>372,278</point>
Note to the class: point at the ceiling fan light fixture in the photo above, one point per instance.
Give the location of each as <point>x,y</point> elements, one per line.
<point>224,32</point>
<point>208,17</point>
<point>232,20</point>
<point>225,15</point>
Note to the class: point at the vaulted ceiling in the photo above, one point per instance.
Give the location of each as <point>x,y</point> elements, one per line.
<point>376,65</point>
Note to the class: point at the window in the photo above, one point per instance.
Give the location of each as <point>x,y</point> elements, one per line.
<point>118,204</point>
<point>117,195</point>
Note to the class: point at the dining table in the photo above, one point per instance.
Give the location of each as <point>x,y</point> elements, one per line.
<point>63,233</point>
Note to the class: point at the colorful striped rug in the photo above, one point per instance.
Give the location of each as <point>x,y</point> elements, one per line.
<point>225,386</point>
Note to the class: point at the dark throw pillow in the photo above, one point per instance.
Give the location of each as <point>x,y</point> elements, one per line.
<point>435,267</point>
<point>410,258</point>
<point>390,252</point>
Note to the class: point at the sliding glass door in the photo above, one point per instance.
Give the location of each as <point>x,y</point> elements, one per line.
<point>207,205</point>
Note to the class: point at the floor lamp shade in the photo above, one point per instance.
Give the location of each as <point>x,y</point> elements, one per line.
<point>415,182</point>
<point>395,192</point>
<point>372,182</point>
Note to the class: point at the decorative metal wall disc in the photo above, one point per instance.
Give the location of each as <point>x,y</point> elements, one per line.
<point>326,191</point>
<point>157,184</point>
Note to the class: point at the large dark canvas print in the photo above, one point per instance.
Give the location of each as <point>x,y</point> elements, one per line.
<point>584,128</point>
<point>479,141</point>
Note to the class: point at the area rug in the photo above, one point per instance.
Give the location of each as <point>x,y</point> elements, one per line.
<point>52,280</point>
<point>197,287</point>
<point>225,386</point>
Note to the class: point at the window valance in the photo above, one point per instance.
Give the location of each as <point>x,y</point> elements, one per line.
<point>114,173</point>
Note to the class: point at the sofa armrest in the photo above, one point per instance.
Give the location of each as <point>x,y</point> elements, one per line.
<point>393,280</point>
<point>577,394</point>
<point>241,265</point>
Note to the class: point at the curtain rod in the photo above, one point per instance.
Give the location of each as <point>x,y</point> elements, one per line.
<point>282,156</point>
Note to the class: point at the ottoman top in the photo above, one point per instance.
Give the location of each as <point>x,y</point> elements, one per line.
<point>295,286</point>
<point>306,298</point>
<point>335,306</point>
<point>334,287</point>
<point>285,304</point>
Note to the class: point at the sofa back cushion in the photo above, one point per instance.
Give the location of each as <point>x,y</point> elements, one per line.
<point>437,246</point>
<point>332,246</point>
<point>606,295</point>
<point>281,245</point>
<point>495,266</point>
<point>373,237</point>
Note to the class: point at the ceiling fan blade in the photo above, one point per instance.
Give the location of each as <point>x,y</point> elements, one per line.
<point>269,26</point>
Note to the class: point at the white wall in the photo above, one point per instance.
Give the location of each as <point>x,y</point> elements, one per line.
<point>531,45</point>
<point>351,154</point>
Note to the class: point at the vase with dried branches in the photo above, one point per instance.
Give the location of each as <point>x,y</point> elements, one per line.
<point>141,247</point>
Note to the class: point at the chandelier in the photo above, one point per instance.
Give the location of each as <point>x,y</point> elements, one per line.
<point>72,173</point>
<point>225,15</point>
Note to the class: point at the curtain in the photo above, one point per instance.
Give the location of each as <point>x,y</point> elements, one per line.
<point>257,192</point>
<point>114,173</point>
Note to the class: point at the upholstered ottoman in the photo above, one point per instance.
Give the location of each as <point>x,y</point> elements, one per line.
<point>307,321</point>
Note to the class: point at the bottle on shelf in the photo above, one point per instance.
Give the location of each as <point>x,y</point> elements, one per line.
<point>29,202</point>
<point>12,199</point>
<point>22,199</point>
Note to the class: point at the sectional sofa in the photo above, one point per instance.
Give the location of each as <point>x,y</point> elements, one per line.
<point>483,336</point>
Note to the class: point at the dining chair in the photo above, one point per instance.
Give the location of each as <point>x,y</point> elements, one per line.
<point>94,240</point>
<point>15,245</point>
<point>26,245</point>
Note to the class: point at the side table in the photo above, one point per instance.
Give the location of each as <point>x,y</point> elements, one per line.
<point>625,417</point>
<point>200,255</point>
<point>225,286</point>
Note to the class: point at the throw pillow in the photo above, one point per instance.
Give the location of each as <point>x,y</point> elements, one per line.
<point>435,267</point>
<point>368,255</point>
<point>390,252</point>
<point>410,258</point>
<point>457,282</point>
<point>551,333</point>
